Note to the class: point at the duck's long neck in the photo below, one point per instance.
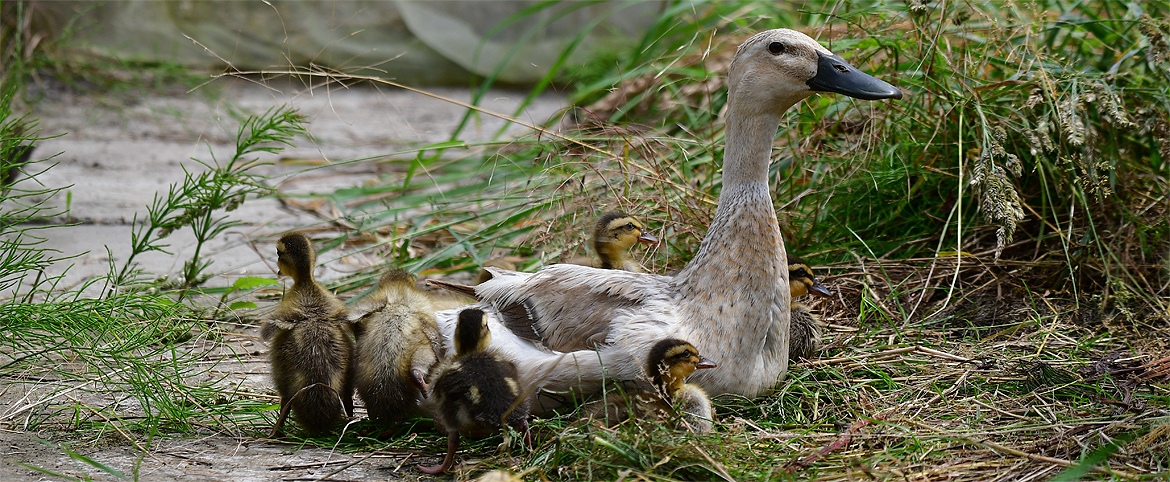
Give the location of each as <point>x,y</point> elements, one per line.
<point>739,277</point>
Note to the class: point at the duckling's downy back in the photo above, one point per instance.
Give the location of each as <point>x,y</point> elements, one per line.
<point>396,348</point>
<point>310,347</point>
<point>477,389</point>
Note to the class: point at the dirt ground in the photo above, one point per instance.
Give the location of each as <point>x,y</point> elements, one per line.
<point>117,150</point>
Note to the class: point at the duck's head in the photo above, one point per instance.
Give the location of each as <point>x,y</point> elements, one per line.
<point>471,333</point>
<point>801,280</point>
<point>295,257</point>
<point>775,69</point>
<point>671,361</point>
<point>617,231</point>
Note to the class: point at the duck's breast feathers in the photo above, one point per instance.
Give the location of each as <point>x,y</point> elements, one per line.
<point>569,307</point>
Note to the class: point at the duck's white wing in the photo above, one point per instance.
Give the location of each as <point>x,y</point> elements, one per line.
<point>569,307</point>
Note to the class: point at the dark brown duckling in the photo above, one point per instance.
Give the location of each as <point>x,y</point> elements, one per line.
<point>667,398</point>
<point>476,391</point>
<point>310,346</point>
<point>397,343</point>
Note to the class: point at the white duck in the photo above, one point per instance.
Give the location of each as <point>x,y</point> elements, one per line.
<point>567,327</point>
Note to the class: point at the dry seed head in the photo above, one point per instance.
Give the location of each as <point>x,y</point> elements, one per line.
<point>998,201</point>
<point>1159,50</point>
<point>1070,121</point>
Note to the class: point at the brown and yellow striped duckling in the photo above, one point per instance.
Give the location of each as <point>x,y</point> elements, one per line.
<point>310,347</point>
<point>805,332</point>
<point>476,391</point>
<point>667,398</point>
<point>614,233</point>
<point>397,341</point>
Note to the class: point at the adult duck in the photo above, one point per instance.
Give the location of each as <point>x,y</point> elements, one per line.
<point>568,327</point>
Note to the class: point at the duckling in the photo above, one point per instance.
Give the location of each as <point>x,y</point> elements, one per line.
<point>476,391</point>
<point>397,341</point>
<point>613,234</point>
<point>805,340</point>
<point>310,347</point>
<point>668,365</point>
<point>569,328</point>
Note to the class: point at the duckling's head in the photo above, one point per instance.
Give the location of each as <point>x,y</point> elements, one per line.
<point>295,257</point>
<point>617,231</point>
<point>775,69</point>
<point>396,279</point>
<point>471,333</point>
<point>671,361</point>
<point>801,280</point>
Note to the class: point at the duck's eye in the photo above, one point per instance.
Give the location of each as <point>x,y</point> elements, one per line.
<point>776,48</point>
<point>629,225</point>
<point>801,273</point>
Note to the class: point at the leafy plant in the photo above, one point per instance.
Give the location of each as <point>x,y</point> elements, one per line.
<point>202,199</point>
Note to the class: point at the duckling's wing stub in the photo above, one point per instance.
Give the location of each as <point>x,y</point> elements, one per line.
<point>834,74</point>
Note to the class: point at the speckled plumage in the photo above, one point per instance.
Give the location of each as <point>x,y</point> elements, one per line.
<point>568,327</point>
<point>476,391</point>
<point>309,345</point>
<point>397,345</point>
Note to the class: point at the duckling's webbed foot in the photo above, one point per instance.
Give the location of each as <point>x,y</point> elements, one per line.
<point>419,381</point>
<point>449,460</point>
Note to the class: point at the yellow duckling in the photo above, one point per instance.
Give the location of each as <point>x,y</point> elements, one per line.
<point>311,351</point>
<point>668,398</point>
<point>613,234</point>
<point>476,391</point>
<point>397,340</point>
<point>805,339</point>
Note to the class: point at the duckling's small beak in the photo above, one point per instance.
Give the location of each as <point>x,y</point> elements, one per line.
<point>820,290</point>
<point>705,363</point>
<point>834,74</point>
<point>648,239</point>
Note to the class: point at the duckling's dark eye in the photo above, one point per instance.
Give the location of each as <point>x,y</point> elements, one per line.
<point>776,48</point>
<point>629,225</point>
<point>801,273</point>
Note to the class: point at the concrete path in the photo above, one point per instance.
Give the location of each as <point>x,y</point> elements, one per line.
<point>118,151</point>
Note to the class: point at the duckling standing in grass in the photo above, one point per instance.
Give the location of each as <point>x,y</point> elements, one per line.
<point>310,346</point>
<point>613,234</point>
<point>805,340</point>
<point>668,398</point>
<point>476,391</point>
<point>397,340</point>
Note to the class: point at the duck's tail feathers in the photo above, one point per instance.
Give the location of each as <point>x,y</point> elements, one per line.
<point>456,287</point>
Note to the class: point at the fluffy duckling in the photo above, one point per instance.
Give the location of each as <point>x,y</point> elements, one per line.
<point>668,398</point>
<point>397,341</point>
<point>476,391</point>
<point>805,338</point>
<point>613,234</point>
<point>310,346</point>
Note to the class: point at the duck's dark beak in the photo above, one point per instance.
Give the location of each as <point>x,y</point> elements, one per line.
<point>820,290</point>
<point>648,239</point>
<point>705,363</point>
<point>834,74</point>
